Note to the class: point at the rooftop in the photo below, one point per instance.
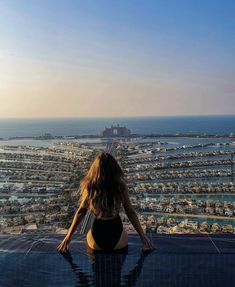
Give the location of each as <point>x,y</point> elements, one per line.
<point>179,260</point>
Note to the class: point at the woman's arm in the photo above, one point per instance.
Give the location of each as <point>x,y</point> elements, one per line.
<point>131,214</point>
<point>78,217</point>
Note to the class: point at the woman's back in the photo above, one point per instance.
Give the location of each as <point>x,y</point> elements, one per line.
<point>107,212</point>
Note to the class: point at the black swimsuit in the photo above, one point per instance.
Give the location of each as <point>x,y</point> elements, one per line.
<point>107,232</point>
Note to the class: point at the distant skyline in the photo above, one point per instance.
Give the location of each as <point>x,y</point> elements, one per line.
<point>116,58</point>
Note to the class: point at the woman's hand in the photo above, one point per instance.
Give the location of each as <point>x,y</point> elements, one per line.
<point>147,244</point>
<point>64,245</point>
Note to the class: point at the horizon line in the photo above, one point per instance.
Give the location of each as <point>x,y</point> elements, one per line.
<point>111,117</point>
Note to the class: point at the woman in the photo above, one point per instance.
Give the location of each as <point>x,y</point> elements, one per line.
<point>102,191</point>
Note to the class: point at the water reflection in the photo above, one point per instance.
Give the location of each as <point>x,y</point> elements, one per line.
<point>106,269</point>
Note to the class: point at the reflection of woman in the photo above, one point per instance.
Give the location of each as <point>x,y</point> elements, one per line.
<point>102,192</point>
<point>104,274</point>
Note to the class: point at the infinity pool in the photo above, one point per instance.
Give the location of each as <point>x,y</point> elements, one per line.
<point>179,260</point>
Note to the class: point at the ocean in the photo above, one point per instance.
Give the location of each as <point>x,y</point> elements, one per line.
<point>141,125</point>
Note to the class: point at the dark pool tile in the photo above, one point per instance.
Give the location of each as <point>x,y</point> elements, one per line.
<point>192,270</point>
<point>184,244</point>
<point>164,243</point>
<point>223,235</point>
<point>225,243</point>
<point>179,260</point>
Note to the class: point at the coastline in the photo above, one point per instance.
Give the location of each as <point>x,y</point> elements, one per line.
<point>157,135</point>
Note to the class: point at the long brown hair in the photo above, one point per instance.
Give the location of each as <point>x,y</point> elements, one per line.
<point>102,185</point>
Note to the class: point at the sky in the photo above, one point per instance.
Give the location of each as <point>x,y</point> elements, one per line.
<point>101,58</point>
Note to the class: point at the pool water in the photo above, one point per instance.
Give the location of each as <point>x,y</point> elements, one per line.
<point>179,260</point>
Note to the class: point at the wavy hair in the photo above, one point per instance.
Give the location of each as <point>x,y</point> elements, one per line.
<point>102,185</point>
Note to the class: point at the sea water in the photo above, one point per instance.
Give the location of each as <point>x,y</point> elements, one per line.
<point>141,125</point>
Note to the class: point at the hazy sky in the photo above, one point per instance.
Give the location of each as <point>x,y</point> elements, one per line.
<point>116,57</point>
